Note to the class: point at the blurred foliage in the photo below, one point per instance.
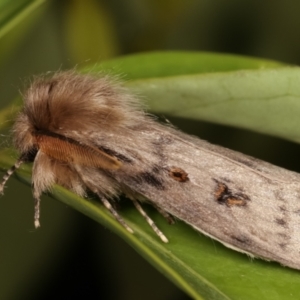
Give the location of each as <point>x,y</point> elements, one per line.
<point>69,256</point>
<point>16,18</point>
<point>90,32</point>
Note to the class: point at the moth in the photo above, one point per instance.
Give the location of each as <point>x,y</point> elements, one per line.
<point>89,134</point>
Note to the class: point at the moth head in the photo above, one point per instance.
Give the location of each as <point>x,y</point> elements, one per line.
<point>63,111</point>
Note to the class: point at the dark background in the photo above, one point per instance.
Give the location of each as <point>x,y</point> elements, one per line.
<point>72,257</point>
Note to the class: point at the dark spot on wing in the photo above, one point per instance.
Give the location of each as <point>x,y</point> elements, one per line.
<point>151,179</point>
<point>146,178</point>
<point>280,222</point>
<point>178,174</point>
<point>224,195</point>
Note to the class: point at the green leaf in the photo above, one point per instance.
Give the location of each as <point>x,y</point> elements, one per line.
<point>265,101</point>
<point>175,63</point>
<point>226,89</point>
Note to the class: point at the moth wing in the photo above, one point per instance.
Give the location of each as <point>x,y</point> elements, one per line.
<point>246,204</point>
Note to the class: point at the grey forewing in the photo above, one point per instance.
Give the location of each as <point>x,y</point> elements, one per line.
<point>229,196</point>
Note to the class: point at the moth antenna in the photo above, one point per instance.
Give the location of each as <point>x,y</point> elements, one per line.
<point>37,205</point>
<point>166,215</point>
<point>150,221</point>
<point>115,214</point>
<point>9,172</point>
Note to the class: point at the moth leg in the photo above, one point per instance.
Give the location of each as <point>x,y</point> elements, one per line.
<point>37,205</point>
<point>88,178</point>
<point>114,204</point>
<point>9,172</point>
<point>166,215</point>
<point>107,204</point>
<point>149,221</point>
